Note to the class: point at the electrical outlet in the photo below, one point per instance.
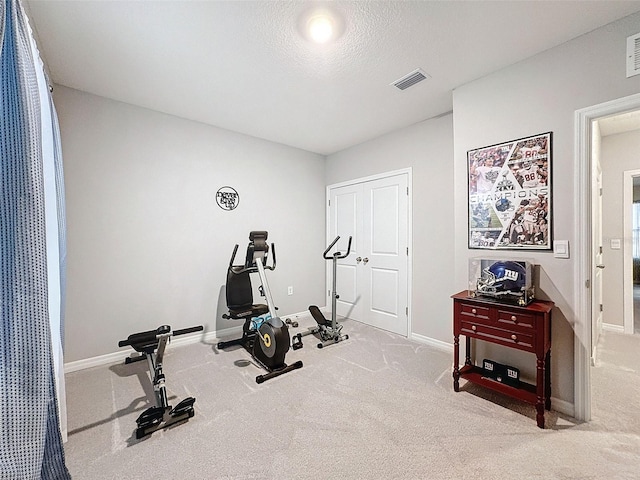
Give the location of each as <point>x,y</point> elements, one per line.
<point>290,291</point>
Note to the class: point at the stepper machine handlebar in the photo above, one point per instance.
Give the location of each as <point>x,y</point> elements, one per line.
<point>337,254</point>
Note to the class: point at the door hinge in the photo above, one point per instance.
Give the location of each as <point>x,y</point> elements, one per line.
<point>407,191</point>
<point>601,308</point>
<point>328,293</point>
<point>587,283</point>
<point>406,311</point>
<point>407,251</point>
<point>600,249</point>
<point>329,202</point>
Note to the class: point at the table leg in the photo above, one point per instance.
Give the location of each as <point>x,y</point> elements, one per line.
<point>456,370</point>
<point>540,390</point>
<point>547,379</point>
<point>467,357</point>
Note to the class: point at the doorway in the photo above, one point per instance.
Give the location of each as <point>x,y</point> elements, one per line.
<point>374,280</point>
<point>584,265</point>
<point>631,283</point>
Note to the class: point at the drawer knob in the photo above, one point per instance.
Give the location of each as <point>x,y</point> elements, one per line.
<point>514,318</point>
<point>473,327</point>
<point>474,311</point>
<point>514,337</point>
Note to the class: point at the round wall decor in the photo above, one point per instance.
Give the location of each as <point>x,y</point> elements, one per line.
<point>227,198</point>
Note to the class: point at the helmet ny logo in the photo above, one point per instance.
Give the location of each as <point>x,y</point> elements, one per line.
<point>510,275</point>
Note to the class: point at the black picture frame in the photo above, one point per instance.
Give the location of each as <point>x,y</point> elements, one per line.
<point>509,195</point>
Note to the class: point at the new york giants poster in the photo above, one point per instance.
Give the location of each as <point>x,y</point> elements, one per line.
<point>510,195</point>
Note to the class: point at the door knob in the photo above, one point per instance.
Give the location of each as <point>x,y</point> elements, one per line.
<point>358,259</point>
<point>365,260</point>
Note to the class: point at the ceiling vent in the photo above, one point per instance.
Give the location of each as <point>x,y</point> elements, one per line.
<point>633,55</point>
<point>410,79</point>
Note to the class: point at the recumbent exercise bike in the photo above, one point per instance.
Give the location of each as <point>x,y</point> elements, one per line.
<point>152,344</point>
<point>264,335</point>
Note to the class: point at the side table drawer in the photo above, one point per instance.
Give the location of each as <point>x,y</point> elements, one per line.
<point>515,320</point>
<point>509,338</point>
<point>473,313</point>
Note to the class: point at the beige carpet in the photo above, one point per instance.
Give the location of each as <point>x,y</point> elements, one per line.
<point>374,407</point>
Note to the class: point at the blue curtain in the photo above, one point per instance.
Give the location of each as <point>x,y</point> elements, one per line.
<point>32,258</point>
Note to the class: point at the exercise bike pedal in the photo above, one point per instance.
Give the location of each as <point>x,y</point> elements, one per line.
<point>151,416</point>
<point>185,406</point>
<point>296,342</point>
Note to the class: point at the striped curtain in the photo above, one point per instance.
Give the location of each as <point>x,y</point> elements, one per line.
<point>32,259</point>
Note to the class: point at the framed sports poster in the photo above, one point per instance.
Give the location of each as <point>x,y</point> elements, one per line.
<point>510,195</point>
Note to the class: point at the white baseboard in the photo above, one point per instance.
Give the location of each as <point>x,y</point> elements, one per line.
<point>564,407</point>
<point>207,337</point>
<point>94,361</point>
<point>432,342</point>
<point>297,316</point>
<point>115,357</point>
<point>609,327</point>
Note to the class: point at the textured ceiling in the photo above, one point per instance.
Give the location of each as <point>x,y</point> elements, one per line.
<point>622,123</point>
<point>246,66</point>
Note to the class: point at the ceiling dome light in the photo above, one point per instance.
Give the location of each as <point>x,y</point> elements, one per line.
<point>320,25</point>
<point>320,28</point>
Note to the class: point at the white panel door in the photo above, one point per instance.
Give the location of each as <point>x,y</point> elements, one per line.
<point>596,299</point>
<point>346,221</point>
<point>385,245</point>
<point>373,280</point>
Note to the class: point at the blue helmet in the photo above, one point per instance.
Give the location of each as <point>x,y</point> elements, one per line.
<point>502,278</point>
<point>502,205</point>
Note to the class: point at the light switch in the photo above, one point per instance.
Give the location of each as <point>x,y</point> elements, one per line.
<point>615,244</point>
<point>561,248</point>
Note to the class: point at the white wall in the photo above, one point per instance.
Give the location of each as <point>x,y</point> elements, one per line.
<point>619,153</point>
<point>427,148</point>
<point>147,244</point>
<point>538,95</point>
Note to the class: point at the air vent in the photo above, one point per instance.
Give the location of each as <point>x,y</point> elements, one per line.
<point>410,79</point>
<point>633,55</point>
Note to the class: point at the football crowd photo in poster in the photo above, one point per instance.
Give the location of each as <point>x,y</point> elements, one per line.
<point>510,195</point>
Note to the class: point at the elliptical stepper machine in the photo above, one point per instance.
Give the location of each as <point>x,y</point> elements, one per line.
<point>330,332</point>
<point>153,343</point>
<point>264,335</point>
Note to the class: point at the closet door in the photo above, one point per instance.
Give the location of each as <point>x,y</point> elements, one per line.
<point>345,207</point>
<point>372,281</point>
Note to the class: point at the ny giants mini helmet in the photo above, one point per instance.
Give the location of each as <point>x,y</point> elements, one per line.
<point>501,278</point>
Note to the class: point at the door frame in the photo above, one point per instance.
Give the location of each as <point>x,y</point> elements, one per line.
<point>583,236</point>
<point>404,171</point>
<point>627,253</point>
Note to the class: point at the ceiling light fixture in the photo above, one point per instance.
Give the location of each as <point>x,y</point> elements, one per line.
<point>321,25</point>
<point>320,28</point>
